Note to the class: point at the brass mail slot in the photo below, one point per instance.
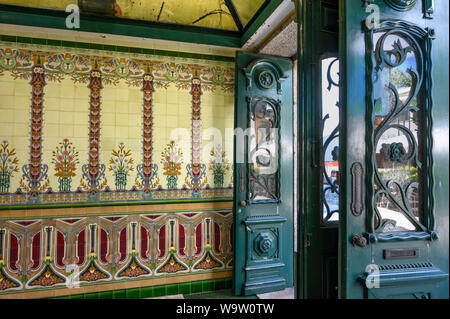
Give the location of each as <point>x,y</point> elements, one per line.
<point>401,253</point>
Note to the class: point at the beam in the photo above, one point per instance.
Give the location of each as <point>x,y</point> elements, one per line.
<point>56,19</point>
<point>234,14</point>
<point>259,18</point>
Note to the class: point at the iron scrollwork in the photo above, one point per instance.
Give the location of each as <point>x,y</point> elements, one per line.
<point>263,149</point>
<point>330,183</point>
<point>399,162</point>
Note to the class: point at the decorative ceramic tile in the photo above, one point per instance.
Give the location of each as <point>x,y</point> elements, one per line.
<point>89,126</point>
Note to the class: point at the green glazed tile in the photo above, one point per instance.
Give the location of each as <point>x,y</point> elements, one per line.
<point>219,284</point>
<point>136,50</point>
<point>119,294</point>
<point>122,49</point>
<point>133,293</point>
<point>92,295</point>
<point>105,295</point>
<point>184,288</point>
<point>54,42</point>
<point>69,44</point>
<point>207,285</point>
<point>196,287</point>
<point>109,47</point>
<point>8,38</point>
<point>148,51</point>
<point>79,296</point>
<point>172,289</point>
<point>38,41</point>
<point>82,45</point>
<point>96,46</point>
<point>24,40</point>
<point>147,292</point>
<point>159,291</point>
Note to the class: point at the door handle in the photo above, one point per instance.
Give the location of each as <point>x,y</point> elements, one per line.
<point>242,179</point>
<point>243,203</point>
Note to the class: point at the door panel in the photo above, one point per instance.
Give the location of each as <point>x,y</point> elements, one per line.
<point>263,175</point>
<point>393,223</point>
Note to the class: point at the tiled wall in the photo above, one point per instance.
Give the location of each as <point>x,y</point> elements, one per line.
<point>63,144</point>
<point>85,132</point>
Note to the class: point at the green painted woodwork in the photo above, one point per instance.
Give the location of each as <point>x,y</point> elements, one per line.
<point>263,214</point>
<point>317,241</point>
<point>426,275</point>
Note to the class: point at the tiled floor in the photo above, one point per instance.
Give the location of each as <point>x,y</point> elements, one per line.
<point>288,293</point>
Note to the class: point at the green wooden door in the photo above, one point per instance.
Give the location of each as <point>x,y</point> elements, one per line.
<point>263,175</point>
<point>394,149</point>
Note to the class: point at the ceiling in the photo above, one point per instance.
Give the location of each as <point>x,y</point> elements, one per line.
<point>230,15</point>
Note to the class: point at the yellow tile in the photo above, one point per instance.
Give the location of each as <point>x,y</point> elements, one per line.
<point>109,94</point>
<point>135,95</point>
<point>66,131</point>
<point>81,118</point>
<point>81,131</point>
<point>52,90</point>
<point>122,132</point>
<point>67,104</point>
<point>172,121</point>
<point>67,91</point>
<point>7,102</point>
<point>6,130</point>
<point>81,92</point>
<point>51,117</point>
<point>108,131</point>
<point>108,106</point>
<point>172,109</point>
<point>6,115</point>
<point>135,120</point>
<point>135,107</point>
<point>81,105</point>
<point>52,103</point>
<point>122,94</point>
<point>21,144</point>
<point>121,106</point>
<point>121,119</point>
<point>172,97</point>
<point>51,130</point>
<point>159,97</point>
<point>21,116</point>
<point>108,119</point>
<point>21,130</point>
<point>21,89</point>
<point>22,102</point>
<point>66,118</point>
<point>6,88</point>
